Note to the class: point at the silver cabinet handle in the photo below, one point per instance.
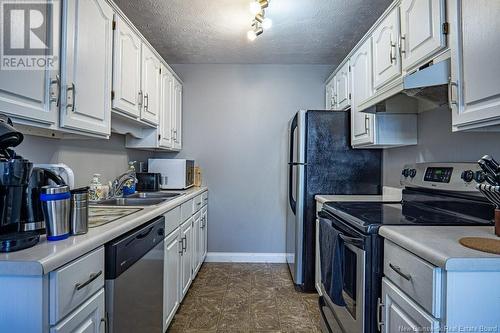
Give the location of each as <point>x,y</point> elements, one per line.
<point>146,102</point>
<point>380,323</point>
<point>367,123</point>
<point>92,278</point>
<point>393,54</point>
<point>402,46</point>
<point>397,269</point>
<point>140,98</point>
<point>184,243</point>
<point>105,321</point>
<point>451,101</point>
<point>181,242</point>
<point>73,96</point>
<point>56,96</point>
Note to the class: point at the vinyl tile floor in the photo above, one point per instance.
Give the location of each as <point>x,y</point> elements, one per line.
<point>250,298</point>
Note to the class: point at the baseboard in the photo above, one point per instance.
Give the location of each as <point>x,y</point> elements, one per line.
<point>246,257</point>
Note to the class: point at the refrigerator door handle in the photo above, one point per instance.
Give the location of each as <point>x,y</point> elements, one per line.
<point>296,163</point>
<point>291,200</point>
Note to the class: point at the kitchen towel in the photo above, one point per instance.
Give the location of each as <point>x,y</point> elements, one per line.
<point>331,254</point>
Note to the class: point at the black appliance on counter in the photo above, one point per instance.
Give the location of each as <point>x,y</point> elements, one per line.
<point>32,218</point>
<point>434,194</point>
<point>148,182</point>
<point>15,173</point>
<point>321,161</point>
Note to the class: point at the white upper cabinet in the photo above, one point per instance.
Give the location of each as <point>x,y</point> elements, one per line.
<point>342,88</point>
<point>87,60</point>
<point>33,95</point>
<point>126,69</point>
<point>177,115</point>
<point>166,109</point>
<point>475,71</point>
<point>421,31</point>
<point>150,85</point>
<point>386,57</point>
<point>361,89</point>
<point>330,95</point>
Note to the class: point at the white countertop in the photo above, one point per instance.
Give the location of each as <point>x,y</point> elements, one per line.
<point>439,245</point>
<point>47,256</point>
<point>390,194</point>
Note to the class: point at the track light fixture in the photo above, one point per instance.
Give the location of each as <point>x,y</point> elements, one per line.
<point>260,22</point>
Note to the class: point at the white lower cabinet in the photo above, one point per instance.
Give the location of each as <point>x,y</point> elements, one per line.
<point>401,314</point>
<point>196,244</point>
<point>204,234</point>
<point>187,256</point>
<point>90,317</point>
<point>171,274</point>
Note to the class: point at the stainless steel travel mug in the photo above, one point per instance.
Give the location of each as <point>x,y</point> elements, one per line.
<point>79,211</point>
<point>56,211</point>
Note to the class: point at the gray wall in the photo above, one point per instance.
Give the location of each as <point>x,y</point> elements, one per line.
<point>85,157</point>
<point>235,126</point>
<point>437,143</point>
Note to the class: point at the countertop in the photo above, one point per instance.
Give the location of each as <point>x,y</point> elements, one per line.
<point>47,256</point>
<point>439,245</point>
<point>388,194</point>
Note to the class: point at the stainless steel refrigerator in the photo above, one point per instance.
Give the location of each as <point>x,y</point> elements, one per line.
<point>321,161</point>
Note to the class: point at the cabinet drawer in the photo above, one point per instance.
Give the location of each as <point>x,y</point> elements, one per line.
<point>172,219</point>
<point>71,285</point>
<point>197,203</point>
<point>204,198</point>
<point>89,317</point>
<point>415,276</point>
<point>186,210</point>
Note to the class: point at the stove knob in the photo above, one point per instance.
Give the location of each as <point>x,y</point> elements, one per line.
<point>479,177</point>
<point>413,173</point>
<point>406,172</point>
<point>467,176</point>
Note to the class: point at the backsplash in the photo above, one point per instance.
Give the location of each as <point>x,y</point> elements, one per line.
<point>85,157</point>
<point>437,143</point>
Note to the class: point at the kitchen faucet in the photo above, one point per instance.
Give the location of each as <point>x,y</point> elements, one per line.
<point>116,189</point>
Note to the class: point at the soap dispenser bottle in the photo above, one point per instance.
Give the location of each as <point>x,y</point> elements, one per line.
<point>129,187</point>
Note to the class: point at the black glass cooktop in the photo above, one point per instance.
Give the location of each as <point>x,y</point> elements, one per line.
<point>368,216</point>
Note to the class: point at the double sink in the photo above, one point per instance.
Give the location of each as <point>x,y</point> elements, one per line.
<point>139,199</point>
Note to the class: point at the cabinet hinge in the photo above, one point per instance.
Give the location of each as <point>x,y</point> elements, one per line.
<point>446,28</point>
<point>114,25</point>
<point>112,94</point>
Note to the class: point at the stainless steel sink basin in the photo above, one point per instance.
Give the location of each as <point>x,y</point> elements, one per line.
<point>135,201</point>
<point>147,195</point>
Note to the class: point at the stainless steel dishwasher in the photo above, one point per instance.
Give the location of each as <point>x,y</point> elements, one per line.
<point>134,279</point>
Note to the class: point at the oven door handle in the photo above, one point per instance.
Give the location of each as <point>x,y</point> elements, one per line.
<point>351,240</point>
<point>321,303</point>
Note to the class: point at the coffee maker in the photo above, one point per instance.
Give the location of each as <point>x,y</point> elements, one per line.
<point>15,172</point>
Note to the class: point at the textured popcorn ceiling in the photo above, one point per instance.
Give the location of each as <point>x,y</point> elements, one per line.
<point>214,31</point>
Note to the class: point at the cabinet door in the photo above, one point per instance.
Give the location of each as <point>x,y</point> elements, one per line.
<point>204,234</point>
<point>196,242</point>
<point>475,70</point>
<point>126,69</point>
<point>401,314</point>
<point>88,41</point>
<point>171,276</point>
<point>187,256</point>
<point>361,88</point>
<point>166,109</point>
<point>342,89</point>
<point>90,317</point>
<point>421,31</point>
<point>33,94</point>
<point>330,95</point>
<point>177,132</point>
<point>386,57</point>
<point>150,85</point>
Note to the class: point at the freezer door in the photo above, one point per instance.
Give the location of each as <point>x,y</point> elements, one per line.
<point>295,207</point>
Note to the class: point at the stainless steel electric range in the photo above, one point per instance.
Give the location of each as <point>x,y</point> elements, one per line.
<point>433,194</point>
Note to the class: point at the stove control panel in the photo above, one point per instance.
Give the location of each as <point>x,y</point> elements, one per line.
<point>459,177</point>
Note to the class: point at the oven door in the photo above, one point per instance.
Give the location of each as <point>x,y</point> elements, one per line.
<point>351,318</point>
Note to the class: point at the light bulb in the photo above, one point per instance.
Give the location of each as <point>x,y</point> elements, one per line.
<point>251,35</point>
<point>255,8</point>
<point>267,23</point>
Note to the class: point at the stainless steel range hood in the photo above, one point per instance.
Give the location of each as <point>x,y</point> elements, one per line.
<point>429,84</point>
